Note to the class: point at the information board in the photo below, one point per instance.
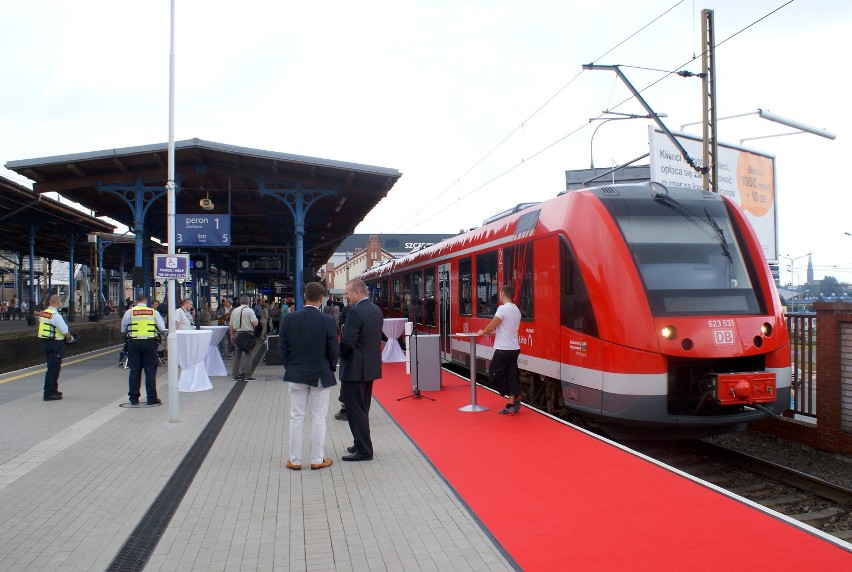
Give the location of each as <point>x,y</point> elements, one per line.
<point>171,266</point>
<point>202,230</point>
<point>746,177</point>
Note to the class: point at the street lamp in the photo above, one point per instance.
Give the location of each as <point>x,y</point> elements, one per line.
<point>775,118</point>
<point>603,121</point>
<point>792,260</point>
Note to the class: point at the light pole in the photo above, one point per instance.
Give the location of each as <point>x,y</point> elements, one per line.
<point>603,121</point>
<point>792,260</point>
<point>775,118</point>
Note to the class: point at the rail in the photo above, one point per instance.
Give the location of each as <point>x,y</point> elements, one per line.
<point>801,327</point>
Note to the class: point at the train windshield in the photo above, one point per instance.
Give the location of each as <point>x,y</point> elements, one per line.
<point>688,255</point>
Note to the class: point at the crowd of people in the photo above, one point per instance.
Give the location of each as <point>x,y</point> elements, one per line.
<point>312,344</point>
<point>12,310</point>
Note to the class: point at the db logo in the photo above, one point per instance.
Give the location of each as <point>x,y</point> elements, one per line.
<point>723,337</point>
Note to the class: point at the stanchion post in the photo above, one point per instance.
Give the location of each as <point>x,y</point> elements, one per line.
<point>473,407</point>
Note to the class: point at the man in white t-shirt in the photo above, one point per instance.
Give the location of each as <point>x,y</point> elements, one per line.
<point>504,364</point>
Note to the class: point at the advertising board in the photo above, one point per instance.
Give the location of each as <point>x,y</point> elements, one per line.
<point>745,176</point>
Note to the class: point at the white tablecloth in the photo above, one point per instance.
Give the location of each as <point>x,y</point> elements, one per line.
<point>193,346</point>
<point>393,328</point>
<point>213,362</point>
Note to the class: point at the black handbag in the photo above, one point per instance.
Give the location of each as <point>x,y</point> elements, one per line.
<point>245,341</point>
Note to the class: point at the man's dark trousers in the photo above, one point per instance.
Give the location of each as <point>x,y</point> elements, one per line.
<point>142,354</point>
<point>53,352</point>
<point>357,396</point>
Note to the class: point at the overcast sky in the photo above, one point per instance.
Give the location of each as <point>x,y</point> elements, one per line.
<point>430,87</point>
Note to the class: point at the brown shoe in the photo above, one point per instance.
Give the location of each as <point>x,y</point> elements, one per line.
<point>293,466</point>
<point>325,463</point>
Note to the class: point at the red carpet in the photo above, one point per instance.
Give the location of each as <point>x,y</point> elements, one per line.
<point>558,499</point>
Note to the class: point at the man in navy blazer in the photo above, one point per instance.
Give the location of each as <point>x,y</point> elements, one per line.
<point>360,365</point>
<point>309,351</point>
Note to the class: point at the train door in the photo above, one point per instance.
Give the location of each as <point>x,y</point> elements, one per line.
<point>444,311</point>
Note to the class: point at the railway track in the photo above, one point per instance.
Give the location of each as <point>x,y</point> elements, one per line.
<point>806,498</point>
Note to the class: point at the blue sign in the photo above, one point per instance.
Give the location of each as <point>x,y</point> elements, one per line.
<point>202,230</point>
<point>171,266</point>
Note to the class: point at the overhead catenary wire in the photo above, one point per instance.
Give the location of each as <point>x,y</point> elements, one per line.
<point>537,111</point>
<point>666,75</point>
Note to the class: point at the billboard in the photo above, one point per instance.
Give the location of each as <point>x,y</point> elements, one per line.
<point>745,176</point>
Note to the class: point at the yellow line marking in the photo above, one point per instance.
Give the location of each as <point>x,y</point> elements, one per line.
<point>64,363</point>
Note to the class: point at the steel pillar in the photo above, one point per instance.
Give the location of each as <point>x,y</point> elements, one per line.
<point>72,282</point>
<point>298,201</point>
<point>31,301</point>
<point>139,199</point>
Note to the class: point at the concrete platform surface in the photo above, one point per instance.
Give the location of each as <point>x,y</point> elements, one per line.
<point>77,475</point>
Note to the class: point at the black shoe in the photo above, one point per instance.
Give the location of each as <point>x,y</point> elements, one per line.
<point>351,449</point>
<point>341,416</point>
<point>250,378</point>
<point>357,457</point>
<point>154,402</point>
<point>59,393</point>
<point>53,397</point>
<point>134,402</point>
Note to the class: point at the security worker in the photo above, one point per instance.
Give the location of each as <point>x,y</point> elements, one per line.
<point>51,331</point>
<point>143,326</point>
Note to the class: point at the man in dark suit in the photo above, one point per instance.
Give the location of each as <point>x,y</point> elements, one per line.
<point>360,365</point>
<point>309,351</point>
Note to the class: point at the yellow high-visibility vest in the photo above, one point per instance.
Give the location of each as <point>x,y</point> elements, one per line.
<point>46,330</point>
<point>143,324</point>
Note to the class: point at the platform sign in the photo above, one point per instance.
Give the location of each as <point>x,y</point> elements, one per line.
<point>202,230</point>
<point>745,176</point>
<point>171,267</point>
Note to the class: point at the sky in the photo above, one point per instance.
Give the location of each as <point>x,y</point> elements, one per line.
<point>481,104</point>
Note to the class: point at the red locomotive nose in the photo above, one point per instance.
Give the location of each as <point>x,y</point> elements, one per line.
<point>742,389</point>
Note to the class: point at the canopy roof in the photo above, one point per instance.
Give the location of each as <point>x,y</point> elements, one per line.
<point>54,222</point>
<point>231,177</point>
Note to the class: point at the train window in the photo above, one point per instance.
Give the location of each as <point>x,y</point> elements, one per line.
<point>417,296</point>
<point>406,294</point>
<point>397,293</point>
<point>576,307</point>
<point>487,297</point>
<point>429,296</point>
<point>383,299</point>
<point>375,288</point>
<point>465,307</point>
<point>518,273</point>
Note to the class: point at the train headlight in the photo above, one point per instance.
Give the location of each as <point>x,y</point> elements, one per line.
<point>766,329</point>
<point>669,332</point>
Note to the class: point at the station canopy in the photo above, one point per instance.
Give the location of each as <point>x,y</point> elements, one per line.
<point>53,222</point>
<point>231,178</point>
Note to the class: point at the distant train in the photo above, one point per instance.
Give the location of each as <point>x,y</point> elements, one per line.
<point>647,311</point>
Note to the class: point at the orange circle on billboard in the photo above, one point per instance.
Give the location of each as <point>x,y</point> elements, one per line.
<point>756,183</point>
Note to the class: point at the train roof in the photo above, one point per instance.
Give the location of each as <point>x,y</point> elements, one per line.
<point>537,219</point>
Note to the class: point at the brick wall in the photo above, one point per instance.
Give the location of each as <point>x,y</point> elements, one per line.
<point>833,431</point>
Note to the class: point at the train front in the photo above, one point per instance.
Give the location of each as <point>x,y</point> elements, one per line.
<point>713,315</point>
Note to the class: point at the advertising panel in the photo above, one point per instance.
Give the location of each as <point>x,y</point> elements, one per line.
<point>745,176</point>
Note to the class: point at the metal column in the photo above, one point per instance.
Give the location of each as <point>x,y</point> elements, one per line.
<point>298,201</point>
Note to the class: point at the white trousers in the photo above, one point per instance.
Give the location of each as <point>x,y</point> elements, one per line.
<point>302,396</point>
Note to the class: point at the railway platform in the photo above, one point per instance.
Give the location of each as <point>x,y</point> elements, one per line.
<point>85,484</point>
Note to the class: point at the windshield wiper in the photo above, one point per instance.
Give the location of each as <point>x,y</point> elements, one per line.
<point>675,205</point>
<point>726,250</point>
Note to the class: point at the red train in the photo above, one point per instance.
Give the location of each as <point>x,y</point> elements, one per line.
<point>647,311</point>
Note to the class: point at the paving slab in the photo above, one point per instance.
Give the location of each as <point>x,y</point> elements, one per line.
<point>77,475</point>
